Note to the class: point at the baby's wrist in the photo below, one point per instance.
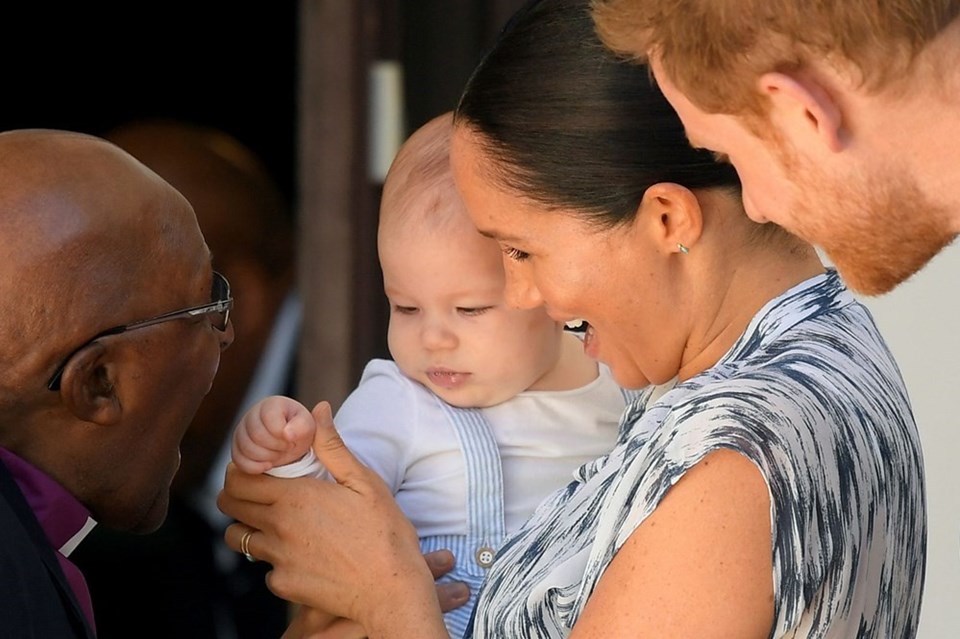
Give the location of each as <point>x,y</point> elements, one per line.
<point>306,465</point>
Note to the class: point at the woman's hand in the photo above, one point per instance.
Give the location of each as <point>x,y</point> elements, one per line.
<point>342,547</point>
<point>310,623</point>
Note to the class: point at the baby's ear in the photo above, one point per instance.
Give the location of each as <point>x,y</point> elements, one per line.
<point>88,386</point>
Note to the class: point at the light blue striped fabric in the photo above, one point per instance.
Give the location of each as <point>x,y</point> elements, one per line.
<point>485,506</point>
<point>812,395</point>
<point>485,520</point>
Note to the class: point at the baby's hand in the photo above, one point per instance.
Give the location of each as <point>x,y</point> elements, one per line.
<point>275,431</point>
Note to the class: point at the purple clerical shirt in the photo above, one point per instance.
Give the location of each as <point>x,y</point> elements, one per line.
<point>64,519</point>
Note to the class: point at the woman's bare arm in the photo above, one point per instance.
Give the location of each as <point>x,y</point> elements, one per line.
<point>699,566</point>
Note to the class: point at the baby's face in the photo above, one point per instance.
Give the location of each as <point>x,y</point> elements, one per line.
<point>450,329</point>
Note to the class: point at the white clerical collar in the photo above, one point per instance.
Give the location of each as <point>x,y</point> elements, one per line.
<point>80,535</point>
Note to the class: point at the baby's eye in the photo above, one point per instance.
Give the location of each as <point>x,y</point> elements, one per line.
<point>473,311</point>
<point>405,310</point>
<point>515,254</point>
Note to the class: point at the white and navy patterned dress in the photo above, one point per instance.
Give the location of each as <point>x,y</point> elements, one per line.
<point>810,394</point>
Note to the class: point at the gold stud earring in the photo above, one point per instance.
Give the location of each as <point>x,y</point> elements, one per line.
<point>683,249</point>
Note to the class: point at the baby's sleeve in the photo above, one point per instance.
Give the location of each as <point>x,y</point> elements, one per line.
<point>377,421</point>
<point>306,466</point>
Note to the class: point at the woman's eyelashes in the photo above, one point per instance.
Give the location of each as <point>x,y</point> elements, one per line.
<point>515,254</point>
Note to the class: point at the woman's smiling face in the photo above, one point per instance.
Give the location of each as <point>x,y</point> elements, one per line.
<point>612,278</point>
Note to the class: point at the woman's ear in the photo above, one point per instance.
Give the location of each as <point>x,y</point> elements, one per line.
<point>673,215</point>
<point>88,387</point>
<point>804,110</point>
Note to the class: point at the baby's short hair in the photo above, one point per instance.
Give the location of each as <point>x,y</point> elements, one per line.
<point>419,189</point>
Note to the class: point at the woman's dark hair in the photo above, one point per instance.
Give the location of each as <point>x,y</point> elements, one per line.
<point>569,125</point>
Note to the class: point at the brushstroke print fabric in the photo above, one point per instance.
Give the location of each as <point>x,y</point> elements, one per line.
<point>810,394</point>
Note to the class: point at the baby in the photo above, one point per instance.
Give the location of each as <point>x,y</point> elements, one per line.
<point>485,409</point>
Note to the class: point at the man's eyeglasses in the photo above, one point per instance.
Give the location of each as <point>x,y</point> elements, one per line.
<point>219,308</point>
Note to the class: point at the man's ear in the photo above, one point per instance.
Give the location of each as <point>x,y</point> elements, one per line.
<point>88,387</point>
<point>804,109</point>
<point>672,214</point>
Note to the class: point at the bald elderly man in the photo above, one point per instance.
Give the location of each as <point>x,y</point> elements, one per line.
<point>111,328</point>
<point>184,575</point>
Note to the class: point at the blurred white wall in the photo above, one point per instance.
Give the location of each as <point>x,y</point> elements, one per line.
<point>920,322</point>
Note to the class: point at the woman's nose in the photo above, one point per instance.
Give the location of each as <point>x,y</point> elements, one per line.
<point>520,291</point>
